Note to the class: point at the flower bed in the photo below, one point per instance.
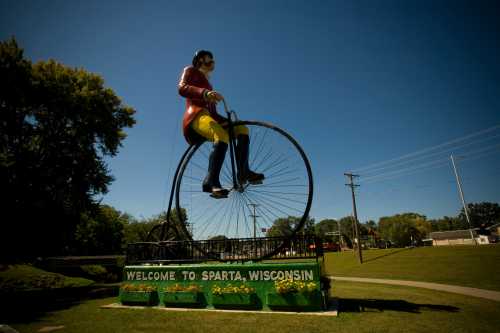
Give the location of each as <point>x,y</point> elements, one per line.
<point>184,296</point>
<point>131,294</point>
<point>295,295</point>
<point>234,297</point>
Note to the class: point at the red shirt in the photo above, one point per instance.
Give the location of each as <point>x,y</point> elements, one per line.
<point>192,86</point>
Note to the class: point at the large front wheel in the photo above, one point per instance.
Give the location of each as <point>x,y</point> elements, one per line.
<point>277,207</point>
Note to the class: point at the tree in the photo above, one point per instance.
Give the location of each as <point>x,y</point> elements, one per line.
<point>346,229</point>
<point>138,231</point>
<point>101,232</point>
<point>486,213</point>
<point>325,226</point>
<point>371,224</point>
<point>401,229</point>
<point>57,126</point>
<point>283,227</point>
<point>448,223</point>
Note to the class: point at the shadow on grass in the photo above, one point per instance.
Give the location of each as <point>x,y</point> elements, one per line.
<point>30,306</point>
<point>381,305</point>
<point>387,255</point>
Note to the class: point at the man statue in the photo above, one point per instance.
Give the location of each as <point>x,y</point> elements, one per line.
<point>202,122</point>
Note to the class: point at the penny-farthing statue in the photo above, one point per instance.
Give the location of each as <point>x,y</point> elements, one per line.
<point>257,174</point>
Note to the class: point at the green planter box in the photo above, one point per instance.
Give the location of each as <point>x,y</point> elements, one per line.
<point>295,301</point>
<point>139,297</point>
<point>235,301</point>
<point>182,298</point>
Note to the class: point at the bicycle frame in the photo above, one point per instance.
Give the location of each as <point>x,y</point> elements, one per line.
<point>232,147</point>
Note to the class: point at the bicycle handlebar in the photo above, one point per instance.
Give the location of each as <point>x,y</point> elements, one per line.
<point>229,112</point>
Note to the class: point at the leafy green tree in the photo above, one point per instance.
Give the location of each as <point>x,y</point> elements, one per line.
<point>371,224</point>
<point>138,231</point>
<point>285,226</point>
<point>57,126</point>
<point>400,229</point>
<point>325,226</point>
<point>363,229</point>
<point>486,213</point>
<point>447,223</point>
<point>346,229</point>
<point>101,232</point>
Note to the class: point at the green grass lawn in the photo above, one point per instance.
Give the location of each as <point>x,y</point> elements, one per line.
<point>470,266</point>
<point>364,308</point>
<point>26,277</point>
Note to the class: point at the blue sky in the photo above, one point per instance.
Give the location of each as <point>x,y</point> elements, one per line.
<point>355,82</point>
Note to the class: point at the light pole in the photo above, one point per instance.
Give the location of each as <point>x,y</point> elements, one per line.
<point>463,200</point>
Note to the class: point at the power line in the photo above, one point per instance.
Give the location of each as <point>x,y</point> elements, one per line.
<point>412,160</point>
<point>424,188</point>
<point>419,152</point>
<point>402,172</point>
<point>429,165</point>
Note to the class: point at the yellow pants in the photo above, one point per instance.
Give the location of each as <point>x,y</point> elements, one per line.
<point>211,130</point>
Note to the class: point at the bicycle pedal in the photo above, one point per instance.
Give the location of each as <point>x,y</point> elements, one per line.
<point>218,196</point>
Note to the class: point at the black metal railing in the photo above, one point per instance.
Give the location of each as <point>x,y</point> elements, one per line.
<point>238,249</point>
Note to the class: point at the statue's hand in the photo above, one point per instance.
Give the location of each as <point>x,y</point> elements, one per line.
<point>214,97</point>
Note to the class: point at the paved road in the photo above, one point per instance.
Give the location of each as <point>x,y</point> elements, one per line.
<point>482,293</point>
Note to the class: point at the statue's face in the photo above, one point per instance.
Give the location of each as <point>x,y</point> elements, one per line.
<point>208,63</point>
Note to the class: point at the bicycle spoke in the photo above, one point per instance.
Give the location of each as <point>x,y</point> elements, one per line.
<point>278,197</point>
<point>210,220</point>
<point>281,173</point>
<point>277,203</point>
<point>287,193</point>
<point>257,153</point>
<point>278,161</point>
<point>193,178</point>
<point>264,205</point>
<point>282,181</point>
<point>246,204</point>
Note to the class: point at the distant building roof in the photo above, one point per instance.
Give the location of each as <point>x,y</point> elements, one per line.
<point>452,234</point>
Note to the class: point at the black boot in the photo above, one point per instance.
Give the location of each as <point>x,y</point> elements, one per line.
<point>211,184</point>
<point>244,172</point>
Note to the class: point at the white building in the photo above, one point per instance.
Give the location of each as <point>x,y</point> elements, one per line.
<point>459,237</point>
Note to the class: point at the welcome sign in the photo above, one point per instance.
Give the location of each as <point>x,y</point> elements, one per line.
<point>261,277</point>
<point>218,273</point>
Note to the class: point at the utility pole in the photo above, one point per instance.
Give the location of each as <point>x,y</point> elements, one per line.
<point>340,236</point>
<point>254,219</point>
<point>356,228</point>
<point>459,184</point>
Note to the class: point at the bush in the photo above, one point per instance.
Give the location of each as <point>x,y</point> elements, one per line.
<point>97,273</point>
